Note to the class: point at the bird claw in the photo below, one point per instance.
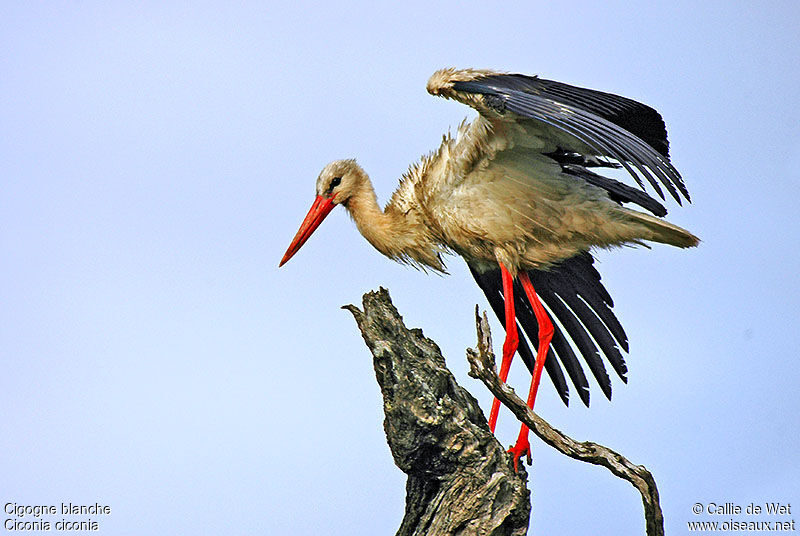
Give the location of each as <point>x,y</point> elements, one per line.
<point>522,447</point>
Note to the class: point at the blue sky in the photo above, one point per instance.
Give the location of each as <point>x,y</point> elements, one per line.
<point>157,158</point>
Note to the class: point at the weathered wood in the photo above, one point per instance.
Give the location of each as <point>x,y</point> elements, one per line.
<point>460,480</point>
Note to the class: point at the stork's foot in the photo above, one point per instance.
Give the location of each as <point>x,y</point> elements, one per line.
<point>521,448</point>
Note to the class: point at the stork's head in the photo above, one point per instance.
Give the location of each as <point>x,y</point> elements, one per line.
<point>336,184</point>
<point>339,180</point>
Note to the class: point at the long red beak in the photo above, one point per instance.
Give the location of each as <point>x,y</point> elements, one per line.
<point>322,207</point>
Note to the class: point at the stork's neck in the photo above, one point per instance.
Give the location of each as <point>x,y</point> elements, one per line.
<point>379,228</point>
<point>398,234</point>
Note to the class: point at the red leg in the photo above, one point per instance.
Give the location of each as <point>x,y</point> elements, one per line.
<point>522,446</point>
<point>512,338</point>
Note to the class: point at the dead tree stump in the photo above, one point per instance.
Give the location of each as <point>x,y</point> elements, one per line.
<point>460,480</point>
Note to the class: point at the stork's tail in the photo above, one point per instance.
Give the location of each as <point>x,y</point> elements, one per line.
<point>663,231</point>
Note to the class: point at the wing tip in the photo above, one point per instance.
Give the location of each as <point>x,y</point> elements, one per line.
<point>441,82</point>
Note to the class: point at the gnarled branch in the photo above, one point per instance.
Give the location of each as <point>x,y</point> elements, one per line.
<point>482,367</point>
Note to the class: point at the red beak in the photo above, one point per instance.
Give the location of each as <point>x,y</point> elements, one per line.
<point>322,207</point>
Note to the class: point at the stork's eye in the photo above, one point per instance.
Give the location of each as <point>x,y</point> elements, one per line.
<point>336,181</point>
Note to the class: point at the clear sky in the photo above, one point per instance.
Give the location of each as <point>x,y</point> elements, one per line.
<point>157,158</point>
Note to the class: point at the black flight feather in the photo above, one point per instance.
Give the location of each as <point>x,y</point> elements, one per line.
<point>575,296</point>
<point>631,133</point>
<point>491,285</point>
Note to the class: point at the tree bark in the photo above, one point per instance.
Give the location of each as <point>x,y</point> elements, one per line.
<point>460,479</point>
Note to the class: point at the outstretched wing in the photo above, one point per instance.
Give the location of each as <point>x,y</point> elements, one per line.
<point>573,293</point>
<point>584,127</point>
<point>579,129</point>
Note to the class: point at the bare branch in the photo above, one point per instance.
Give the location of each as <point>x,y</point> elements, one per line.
<point>482,367</point>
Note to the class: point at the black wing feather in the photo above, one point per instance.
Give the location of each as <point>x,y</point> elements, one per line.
<point>570,295</point>
<point>631,133</point>
<point>559,345</point>
<point>635,117</point>
<point>594,131</point>
<point>574,294</point>
<point>576,332</point>
<point>617,191</point>
<point>580,271</point>
<point>491,285</point>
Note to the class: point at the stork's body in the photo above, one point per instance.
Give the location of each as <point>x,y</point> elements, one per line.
<point>512,193</point>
